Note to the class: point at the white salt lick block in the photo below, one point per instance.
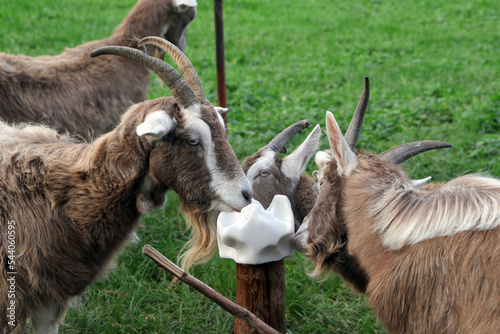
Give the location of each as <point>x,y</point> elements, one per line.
<point>256,235</point>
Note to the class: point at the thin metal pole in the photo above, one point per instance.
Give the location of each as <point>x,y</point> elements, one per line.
<point>219,56</point>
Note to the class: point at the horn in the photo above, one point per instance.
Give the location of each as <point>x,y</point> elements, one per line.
<point>418,183</point>
<point>398,154</point>
<point>185,67</point>
<point>277,143</point>
<point>352,133</point>
<point>179,88</point>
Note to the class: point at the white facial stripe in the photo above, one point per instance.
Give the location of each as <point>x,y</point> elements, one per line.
<point>264,162</point>
<point>228,190</point>
<point>196,126</point>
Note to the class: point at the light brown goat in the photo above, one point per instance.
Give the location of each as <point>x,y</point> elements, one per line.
<point>72,206</point>
<point>74,92</point>
<point>431,255</point>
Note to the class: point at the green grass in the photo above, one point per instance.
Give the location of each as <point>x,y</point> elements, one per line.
<point>435,74</point>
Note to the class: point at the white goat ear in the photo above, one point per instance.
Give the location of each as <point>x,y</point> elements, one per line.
<point>185,4</point>
<point>295,163</point>
<point>156,125</point>
<point>346,158</point>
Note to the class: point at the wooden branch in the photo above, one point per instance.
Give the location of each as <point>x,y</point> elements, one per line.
<point>231,307</point>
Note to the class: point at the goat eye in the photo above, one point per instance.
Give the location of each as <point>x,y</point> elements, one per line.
<point>264,173</point>
<point>193,142</point>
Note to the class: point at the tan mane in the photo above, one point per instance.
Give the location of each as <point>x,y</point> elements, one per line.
<point>463,204</point>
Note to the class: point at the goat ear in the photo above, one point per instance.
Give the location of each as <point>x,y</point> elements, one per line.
<point>345,157</point>
<point>185,4</point>
<point>295,163</point>
<point>156,125</point>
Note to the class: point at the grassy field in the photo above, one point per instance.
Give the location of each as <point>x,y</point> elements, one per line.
<point>435,74</point>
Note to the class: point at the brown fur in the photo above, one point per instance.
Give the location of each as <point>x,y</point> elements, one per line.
<point>84,95</point>
<point>76,204</point>
<point>445,284</point>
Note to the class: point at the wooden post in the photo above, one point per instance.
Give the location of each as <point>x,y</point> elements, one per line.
<point>219,56</point>
<point>261,290</point>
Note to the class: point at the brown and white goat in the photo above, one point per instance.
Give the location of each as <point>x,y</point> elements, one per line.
<point>271,175</point>
<point>72,206</point>
<point>74,92</point>
<point>431,255</point>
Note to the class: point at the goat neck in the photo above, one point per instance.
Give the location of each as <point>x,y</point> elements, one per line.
<point>167,19</point>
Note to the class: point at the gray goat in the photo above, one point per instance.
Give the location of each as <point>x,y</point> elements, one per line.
<point>271,175</point>
<point>87,96</point>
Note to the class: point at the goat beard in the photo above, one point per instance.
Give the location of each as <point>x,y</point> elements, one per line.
<point>324,250</point>
<point>203,242</point>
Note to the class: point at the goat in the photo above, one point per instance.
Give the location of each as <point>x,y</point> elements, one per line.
<point>271,175</point>
<point>431,255</point>
<point>86,96</point>
<point>73,205</point>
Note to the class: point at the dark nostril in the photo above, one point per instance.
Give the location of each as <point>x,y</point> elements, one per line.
<point>247,195</point>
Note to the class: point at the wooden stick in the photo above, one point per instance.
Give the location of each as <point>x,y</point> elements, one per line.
<point>219,56</point>
<point>233,308</point>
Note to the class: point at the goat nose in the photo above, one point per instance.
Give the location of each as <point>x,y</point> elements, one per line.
<point>247,195</point>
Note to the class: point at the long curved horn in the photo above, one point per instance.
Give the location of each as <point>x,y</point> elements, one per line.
<point>177,85</point>
<point>352,133</point>
<point>277,143</point>
<point>398,154</point>
<point>185,67</point>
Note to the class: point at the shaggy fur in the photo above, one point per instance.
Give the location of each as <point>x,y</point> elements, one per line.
<point>403,215</point>
<point>443,275</point>
<point>327,243</point>
<point>75,204</point>
<point>84,95</point>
